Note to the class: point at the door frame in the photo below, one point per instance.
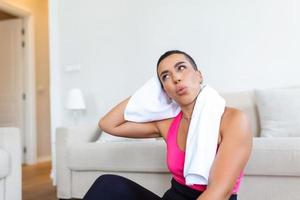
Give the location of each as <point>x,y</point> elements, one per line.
<point>29,108</point>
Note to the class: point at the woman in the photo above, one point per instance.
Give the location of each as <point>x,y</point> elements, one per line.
<point>181,80</point>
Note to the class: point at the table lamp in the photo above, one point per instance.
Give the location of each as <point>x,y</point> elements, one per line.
<point>75,103</point>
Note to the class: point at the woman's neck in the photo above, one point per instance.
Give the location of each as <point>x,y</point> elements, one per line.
<point>187,111</point>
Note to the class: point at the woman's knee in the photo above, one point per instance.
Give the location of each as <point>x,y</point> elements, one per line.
<point>103,186</point>
<point>117,183</point>
<point>109,179</point>
<point>111,186</point>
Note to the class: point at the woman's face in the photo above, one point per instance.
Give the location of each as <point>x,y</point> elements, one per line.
<point>180,80</point>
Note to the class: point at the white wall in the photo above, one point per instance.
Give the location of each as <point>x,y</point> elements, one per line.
<point>238,45</point>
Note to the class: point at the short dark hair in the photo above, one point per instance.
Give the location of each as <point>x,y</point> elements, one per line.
<point>171,52</point>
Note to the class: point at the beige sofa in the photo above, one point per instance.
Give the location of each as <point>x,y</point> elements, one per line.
<point>273,171</point>
<point>10,164</point>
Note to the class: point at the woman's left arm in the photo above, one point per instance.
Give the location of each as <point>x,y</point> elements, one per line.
<point>231,158</point>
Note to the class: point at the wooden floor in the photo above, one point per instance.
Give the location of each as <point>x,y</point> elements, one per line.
<point>36,182</point>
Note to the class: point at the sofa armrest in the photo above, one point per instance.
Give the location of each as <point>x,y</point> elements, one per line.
<point>83,133</point>
<point>66,137</point>
<point>274,157</point>
<point>10,141</point>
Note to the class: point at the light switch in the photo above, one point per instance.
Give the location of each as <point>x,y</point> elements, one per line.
<point>73,68</point>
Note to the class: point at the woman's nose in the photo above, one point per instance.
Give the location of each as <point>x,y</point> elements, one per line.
<point>176,78</point>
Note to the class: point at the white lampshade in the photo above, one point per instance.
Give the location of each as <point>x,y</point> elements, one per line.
<point>75,100</point>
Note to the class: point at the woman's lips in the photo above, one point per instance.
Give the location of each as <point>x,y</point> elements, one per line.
<point>181,90</point>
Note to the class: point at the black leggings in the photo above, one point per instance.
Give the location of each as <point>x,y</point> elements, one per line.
<point>114,187</point>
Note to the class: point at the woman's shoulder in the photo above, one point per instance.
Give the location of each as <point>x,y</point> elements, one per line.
<point>233,119</point>
<point>231,112</point>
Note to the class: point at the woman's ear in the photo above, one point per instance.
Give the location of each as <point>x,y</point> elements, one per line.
<point>200,76</point>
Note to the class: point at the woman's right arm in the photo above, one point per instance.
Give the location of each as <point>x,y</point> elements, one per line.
<point>114,123</point>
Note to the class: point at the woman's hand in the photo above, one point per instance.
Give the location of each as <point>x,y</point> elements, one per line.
<point>232,156</point>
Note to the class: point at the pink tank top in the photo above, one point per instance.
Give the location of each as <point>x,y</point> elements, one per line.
<point>175,158</point>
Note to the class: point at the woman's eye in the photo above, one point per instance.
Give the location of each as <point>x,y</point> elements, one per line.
<point>181,67</point>
<point>165,77</point>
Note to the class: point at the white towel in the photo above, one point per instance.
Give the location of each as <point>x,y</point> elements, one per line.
<point>150,103</point>
<point>202,139</point>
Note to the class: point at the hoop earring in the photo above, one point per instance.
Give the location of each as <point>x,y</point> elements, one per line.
<point>201,83</point>
<point>169,100</point>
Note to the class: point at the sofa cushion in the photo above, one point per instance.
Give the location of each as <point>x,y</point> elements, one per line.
<point>4,163</point>
<point>133,156</point>
<point>274,156</point>
<point>279,112</point>
<point>269,157</point>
